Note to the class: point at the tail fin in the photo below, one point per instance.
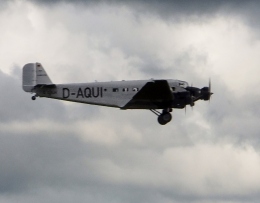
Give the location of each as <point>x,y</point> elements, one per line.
<point>34,74</point>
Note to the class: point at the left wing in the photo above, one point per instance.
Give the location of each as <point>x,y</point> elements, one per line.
<point>154,94</point>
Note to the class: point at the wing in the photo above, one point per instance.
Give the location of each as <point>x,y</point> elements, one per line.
<point>154,94</point>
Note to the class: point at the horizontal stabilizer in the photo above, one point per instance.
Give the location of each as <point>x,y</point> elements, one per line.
<point>46,86</point>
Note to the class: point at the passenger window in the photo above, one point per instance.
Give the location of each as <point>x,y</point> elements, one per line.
<point>135,89</point>
<point>125,89</point>
<point>115,90</point>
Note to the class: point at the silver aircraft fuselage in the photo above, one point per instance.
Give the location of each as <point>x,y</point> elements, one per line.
<point>112,94</point>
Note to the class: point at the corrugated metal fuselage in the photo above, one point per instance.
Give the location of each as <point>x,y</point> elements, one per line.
<point>119,94</point>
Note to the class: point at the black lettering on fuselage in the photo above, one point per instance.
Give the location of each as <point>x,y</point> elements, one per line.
<point>95,93</point>
<point>65,93</point>
<point>90,92</point>
<point>80,93</point>
<point>87,92</point>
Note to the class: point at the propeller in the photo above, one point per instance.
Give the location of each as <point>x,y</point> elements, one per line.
<point>210,93</point>
<point>203,93</point>
<point>209,84</point>
<point>206,92</point>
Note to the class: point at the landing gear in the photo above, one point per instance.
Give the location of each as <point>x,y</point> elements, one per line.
<point>34,97</point>
<point>164,117</point>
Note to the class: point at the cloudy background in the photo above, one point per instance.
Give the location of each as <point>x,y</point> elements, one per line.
<point>54,151</point>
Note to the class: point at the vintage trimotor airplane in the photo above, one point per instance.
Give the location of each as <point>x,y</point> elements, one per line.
<point>136,94</point>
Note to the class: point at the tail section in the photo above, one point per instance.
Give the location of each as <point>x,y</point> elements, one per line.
<point>34,74</point>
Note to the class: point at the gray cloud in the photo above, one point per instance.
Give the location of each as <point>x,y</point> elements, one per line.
<point>177,8</point>
<point>199,11</point>
<point>18,106</point>
<point>38,165</point>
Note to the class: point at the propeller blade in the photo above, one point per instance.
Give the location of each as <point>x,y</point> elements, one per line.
<point>210,93</point>
<point>209,85</point>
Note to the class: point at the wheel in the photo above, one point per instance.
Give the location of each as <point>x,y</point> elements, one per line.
<point>167,117</point>
<point>164,118</point>
<point>33,97</point>
<point>161,121</point>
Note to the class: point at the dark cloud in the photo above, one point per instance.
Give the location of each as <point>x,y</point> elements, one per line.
<point>4,5</point>
<point>37,160</point>
<point>199,11</point>
<point>171,8</point>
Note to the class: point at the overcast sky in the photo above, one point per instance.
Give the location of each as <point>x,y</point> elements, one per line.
<point>54,151</point>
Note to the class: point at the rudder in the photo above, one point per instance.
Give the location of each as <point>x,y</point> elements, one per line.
<point>34,74</point>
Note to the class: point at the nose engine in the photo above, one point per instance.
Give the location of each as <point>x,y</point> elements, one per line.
<point>205,93</point>
<point>200,94</point>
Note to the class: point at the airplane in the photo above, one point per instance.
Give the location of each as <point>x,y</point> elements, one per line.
<point>153,94</point>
